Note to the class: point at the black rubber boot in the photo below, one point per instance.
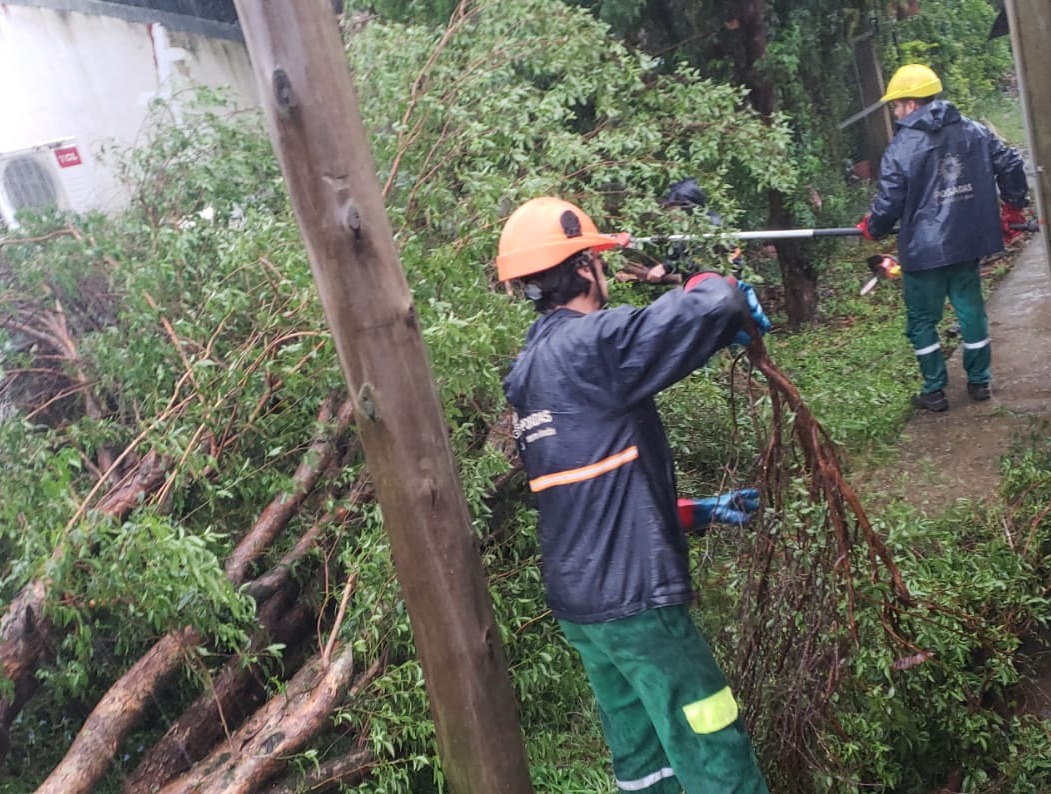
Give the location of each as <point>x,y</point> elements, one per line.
<point>979,392</point>
<point>934,401</point>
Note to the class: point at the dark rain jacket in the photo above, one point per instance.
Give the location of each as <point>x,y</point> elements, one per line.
<point>939,178</point>
<point>595,451</point>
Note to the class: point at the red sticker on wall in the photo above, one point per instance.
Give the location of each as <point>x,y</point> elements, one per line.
<point>67,156</point>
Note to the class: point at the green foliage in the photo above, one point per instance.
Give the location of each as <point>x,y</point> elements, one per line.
<point>204,343</point>
<point>952,37</point>
<point>955,708</point>
<point>517,101</point>
<point>1003,114</point>
<point>179,327</point>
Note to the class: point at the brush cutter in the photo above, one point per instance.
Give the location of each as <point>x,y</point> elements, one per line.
<point>882,266</point>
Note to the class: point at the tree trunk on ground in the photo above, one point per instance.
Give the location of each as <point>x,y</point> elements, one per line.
<point>98,740</point>
<point>121,708</point>
<point>347,770</point>
<point>264,744</point>
<point>235,693</point>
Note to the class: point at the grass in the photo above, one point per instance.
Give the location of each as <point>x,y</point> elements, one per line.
<point>1003,114</point>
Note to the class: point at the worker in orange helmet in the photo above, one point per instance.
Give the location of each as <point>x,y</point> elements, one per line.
<point>615,556</point>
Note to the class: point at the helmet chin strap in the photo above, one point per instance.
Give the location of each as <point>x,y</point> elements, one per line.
<point>603,300</point>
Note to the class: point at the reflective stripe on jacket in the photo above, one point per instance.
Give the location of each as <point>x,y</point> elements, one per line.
<point>939,177</point>
<point>595,451</point>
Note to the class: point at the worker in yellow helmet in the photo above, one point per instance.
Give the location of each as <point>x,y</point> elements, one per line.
<point>942,177</point>
<point>615,559</point>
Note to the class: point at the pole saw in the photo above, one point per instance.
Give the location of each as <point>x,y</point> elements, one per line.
<point>882,266</point>
<point>786,234</point>
<point>761,234</point>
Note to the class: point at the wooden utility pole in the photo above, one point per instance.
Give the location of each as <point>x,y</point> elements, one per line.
<point>1030,22</point>
<point>316,128</point>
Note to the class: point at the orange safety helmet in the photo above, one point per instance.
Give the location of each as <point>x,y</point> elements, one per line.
<point>544,232</point>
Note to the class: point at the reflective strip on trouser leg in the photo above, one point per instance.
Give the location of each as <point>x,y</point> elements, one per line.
<point>965,294</point>
<point>670,668</point>
<point>647,783</point>
<point>925,293</point>
<point>639,761</point>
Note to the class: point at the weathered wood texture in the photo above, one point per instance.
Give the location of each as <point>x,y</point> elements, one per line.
<point>1030,22</point>
<point>275,732</point>
<point>317,131</point>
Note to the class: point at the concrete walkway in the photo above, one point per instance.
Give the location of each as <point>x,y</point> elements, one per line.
<point>955,455</point>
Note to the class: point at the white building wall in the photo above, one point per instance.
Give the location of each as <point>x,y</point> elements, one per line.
<point>89,77</point>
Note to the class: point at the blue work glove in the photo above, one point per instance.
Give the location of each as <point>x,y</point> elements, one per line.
<point>762,322</point>
<point>735,507</point>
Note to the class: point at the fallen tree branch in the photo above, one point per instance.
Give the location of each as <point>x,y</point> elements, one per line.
<point>69,231</point>
<point>92,750</point>
<point>277,514</point>
<point>262,746</point>
<point>88,758</point>
<point>24,628</point>
<point>346,770</point>
<point>236,692</point>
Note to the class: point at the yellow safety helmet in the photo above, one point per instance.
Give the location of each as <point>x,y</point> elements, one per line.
<point>544,232</point>
<point>913,80</point>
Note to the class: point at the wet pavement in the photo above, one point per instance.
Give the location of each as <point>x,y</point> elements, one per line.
<point>955,455</point>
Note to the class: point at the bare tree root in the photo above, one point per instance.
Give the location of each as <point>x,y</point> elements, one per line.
<point>805,572</point>
<point>263,745</point>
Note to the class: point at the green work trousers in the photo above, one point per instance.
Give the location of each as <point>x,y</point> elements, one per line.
<point>925,294</point>
<point>668,715</point>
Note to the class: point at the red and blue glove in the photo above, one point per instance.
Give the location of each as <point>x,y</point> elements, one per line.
<point>863,227</point>
<point>1010,216</point>
<point>762,322</point>
<point>735,508</point>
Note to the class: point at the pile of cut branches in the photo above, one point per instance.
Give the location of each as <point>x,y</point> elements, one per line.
<point>810,558</point>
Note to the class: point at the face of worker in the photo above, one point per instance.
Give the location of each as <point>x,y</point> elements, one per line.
<point>902,107</point>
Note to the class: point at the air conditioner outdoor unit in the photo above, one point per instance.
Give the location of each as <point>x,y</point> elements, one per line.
<point>48,175</point>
